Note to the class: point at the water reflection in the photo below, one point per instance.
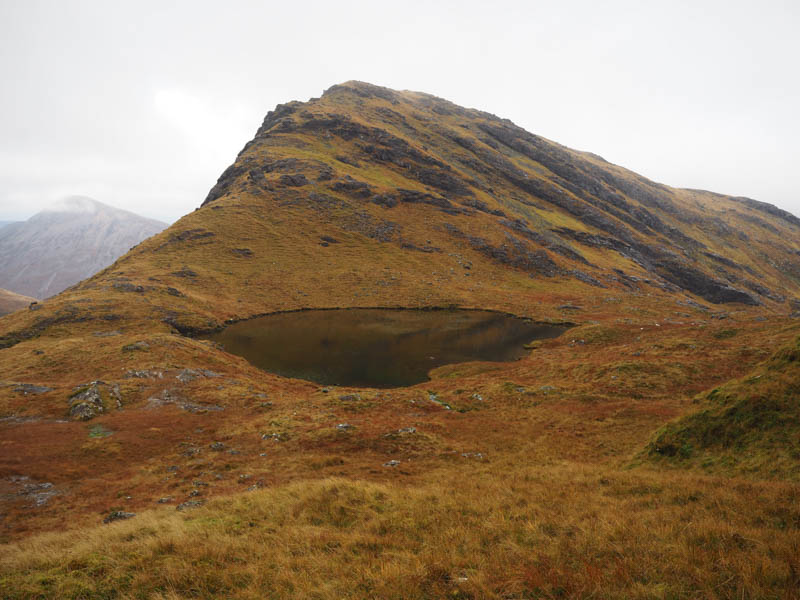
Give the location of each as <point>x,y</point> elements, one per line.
<point>378,347</point>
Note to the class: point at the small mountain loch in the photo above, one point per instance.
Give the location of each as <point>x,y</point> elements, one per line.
<point>378,347</point>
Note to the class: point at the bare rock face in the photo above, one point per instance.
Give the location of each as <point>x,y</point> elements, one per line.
<point>67,243</point>
<point>92,399</point>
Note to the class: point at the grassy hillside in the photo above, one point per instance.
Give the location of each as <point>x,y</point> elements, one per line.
<point>506,480</point>
<point>9,301</point>
<point>750,425</point>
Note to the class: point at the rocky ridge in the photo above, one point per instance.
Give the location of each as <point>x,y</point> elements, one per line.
<point>464,163</point>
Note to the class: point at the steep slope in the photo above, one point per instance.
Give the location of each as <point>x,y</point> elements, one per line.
<point>367,195</point>
<point>371,197</point>
<point>66,243</point>
<point>360,156</point>
<point>9,302</point>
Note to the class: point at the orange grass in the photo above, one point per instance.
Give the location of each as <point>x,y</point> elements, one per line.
<point>504,530</point>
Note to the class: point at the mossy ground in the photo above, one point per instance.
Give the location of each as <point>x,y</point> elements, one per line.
<point>748,425</point>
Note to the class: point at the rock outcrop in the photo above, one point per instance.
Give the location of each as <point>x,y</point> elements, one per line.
<point>473,166</point>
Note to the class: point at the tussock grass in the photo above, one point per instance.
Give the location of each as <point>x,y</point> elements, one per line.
<point>749,425</point>
<point>562,531</point>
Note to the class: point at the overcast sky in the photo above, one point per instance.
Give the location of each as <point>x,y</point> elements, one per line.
<point>143,104</point>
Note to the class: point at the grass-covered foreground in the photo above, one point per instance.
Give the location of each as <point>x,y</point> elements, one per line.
<point>491,531</point>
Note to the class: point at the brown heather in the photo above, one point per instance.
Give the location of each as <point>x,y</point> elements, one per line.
<point>653,451</point>
<point>553,531</point>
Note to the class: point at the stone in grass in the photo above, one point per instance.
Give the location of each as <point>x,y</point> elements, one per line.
<point>90,399</point>
<point>118,515</point>
<point>476,455</point>
<point>294,180</point>
<point>275,436</point>
<point>569,307</point>
<point>391,463</point>
<point>187,375</point>
<point>190,504</point>
<point>107,333</point>
<point>143,374</point>
<point>98,431</point>
<point>29,388</point>
<point>401,432</point>
<point>165,500</point>
<point>141,346</point>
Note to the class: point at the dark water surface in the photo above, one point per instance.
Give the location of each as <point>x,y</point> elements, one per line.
<point>367,347</point>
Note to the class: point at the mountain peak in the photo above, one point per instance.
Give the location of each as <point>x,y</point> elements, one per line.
<point>520,199</point>
<point>66,242</point>
<point>362,88</point>
<point>75,204</point>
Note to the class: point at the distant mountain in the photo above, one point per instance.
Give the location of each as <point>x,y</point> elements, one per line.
<point>66,243</point>
<point>9,302</point>
<point>4,223</point>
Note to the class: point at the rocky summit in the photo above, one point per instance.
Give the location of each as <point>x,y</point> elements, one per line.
<point>660,429</point>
